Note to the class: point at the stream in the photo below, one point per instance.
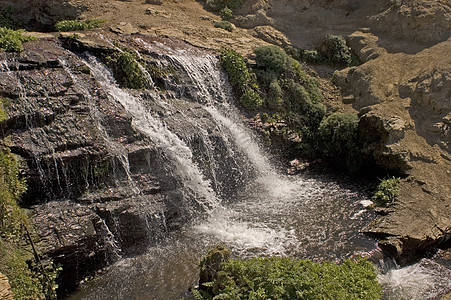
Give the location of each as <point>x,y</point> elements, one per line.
<point>308,215</point>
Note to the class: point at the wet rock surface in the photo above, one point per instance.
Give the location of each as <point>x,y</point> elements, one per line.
<point>98,187</point>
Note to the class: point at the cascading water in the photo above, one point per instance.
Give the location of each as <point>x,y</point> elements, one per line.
<point>178,153</point>
<point>305,216</point>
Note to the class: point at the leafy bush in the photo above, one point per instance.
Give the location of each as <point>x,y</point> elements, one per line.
<point>236,68</point>
<point>226,13</point>
<point>224,25</point>
<point>312,56</point>
<point>387,192</point>
<point>339,140</point>
<point>335,49</point>
<point>272,57</point>
<point>11,40</point>
<point>127,70</point>
<point>251,99</point>
<point>275,94</point>
<point>286,278</point>
<point>6,19</point>
<point>73,25</point>
<point>217,5</point>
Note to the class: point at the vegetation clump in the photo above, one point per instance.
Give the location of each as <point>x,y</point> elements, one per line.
<point>236,68</point>
<point>387,192</point>
<point>334,47</point>
<point>226,25</point>
<point>11,40</point>
<point>277,85</point>
<point>226,13</point>
<point>74,25</point>
<point>217,5</point>
<point>6,19</point>
<point>340,141</point>
<point>333,51</point>
<point>29,278</point>
<point>287,278</point>
<point>251,99</point>
<point>272,57</point>
<point>3,114</point>
<point>127,70</point>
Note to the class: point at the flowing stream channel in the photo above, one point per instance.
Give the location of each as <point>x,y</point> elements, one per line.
<point>270,214</point>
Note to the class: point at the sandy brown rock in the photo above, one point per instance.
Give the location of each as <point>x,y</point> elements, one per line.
<point>5,289</point>
<point>410,96</point>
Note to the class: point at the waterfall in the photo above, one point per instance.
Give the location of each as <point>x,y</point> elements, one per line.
<point>176,151</point>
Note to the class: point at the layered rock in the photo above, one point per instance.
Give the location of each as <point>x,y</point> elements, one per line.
<point>99,188</point>
<point>404,103</point>
<point>42,15</point>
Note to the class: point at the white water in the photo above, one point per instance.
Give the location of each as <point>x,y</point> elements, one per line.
<point>299,216</point>
<point>424,280</point>
<point>171,145</point>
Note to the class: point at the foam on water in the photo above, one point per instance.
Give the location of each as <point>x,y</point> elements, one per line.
<point>423,280</point>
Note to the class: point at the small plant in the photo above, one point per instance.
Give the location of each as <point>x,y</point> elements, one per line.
<point>217,5</point>
<point>11,40</point>
<point>74,25</point>
<point>236,68</point>
<point>226,25</point>
<point>127,70</point>
<point>226,13</point>
<point>387,192</point>
<point>251,100</point>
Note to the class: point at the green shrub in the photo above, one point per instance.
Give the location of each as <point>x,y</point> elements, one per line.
<point>127,70</point>
<point>275,94</point>
<point>339,140</point>
<point>226,13</point>
<point>272,57</point>
<point>335,49</point>
<point>74,25</point>
<point>7,20</point>
<point>4,102</point>
<point>226,25</point>
<point>287,278</point>
<point>11,40</point>
<point>236,68</point>
<point>387,192</point>
<point>312,56</point>
<point>251,99</point>
<point>11,188</point>
<point>217,5</point>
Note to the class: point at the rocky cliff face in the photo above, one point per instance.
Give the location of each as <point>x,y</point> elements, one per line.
<point>406,100</point>
<point>99,187</point>
<point>42,15</point>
